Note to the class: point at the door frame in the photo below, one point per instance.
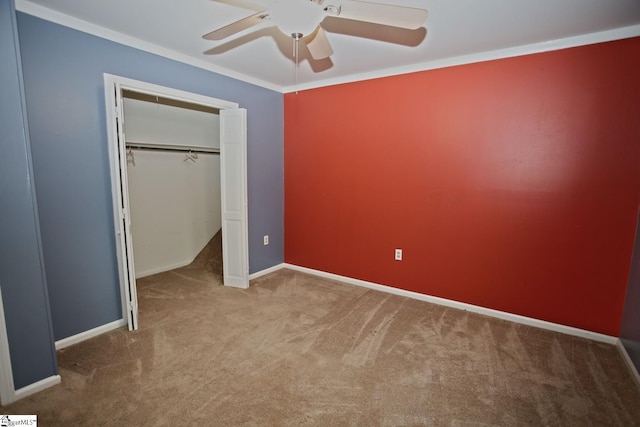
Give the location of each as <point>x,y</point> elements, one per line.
<point>7,389</point>
<point>119,190</point>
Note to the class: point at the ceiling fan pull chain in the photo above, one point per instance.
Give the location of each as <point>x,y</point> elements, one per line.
<point>296,41</point>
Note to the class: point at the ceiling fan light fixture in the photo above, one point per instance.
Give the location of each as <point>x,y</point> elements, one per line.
<point>296,16</point>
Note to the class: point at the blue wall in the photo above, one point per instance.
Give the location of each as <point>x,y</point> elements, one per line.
<point>63,74</point>
<point>630,329</point>
<point>22,279</point>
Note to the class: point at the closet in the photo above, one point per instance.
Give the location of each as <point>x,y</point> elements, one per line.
<point>173,174</point>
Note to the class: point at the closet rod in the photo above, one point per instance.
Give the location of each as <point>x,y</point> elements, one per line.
<point>165,147</point>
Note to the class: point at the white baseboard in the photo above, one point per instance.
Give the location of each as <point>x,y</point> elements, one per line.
<point>37,386</point>
<point>141,274</point>
<point>266,271</point>
<point>627,359</point>
<point>74,339</point>
<point>461,305</point>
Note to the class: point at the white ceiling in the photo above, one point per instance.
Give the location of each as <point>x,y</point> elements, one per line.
<point>457,31</point>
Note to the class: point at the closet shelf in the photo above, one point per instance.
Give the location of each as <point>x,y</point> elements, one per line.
<point>168,147</point>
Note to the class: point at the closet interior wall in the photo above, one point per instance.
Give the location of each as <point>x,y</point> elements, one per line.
<point>173,170</point>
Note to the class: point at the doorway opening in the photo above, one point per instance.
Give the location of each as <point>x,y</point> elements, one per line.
<point>229,142</point>
<point>173,177</point>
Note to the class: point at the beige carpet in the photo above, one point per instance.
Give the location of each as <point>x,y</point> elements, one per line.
<point>294,349</point>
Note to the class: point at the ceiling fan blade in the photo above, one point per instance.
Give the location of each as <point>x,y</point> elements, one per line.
<point>236,27</point>
<point>318,44</point>
<point>385,14</point>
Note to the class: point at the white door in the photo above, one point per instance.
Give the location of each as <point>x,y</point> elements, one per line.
<point>233,170</point>
<point>127,268</point>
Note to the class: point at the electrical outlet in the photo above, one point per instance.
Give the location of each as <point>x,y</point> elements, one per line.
<point>398,254</point>
<point>266,240</point>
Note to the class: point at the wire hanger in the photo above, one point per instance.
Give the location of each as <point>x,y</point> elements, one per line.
<point>191,156</point>
<point>130,158</point>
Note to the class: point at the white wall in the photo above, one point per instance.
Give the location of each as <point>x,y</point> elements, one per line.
<point>175,204</point>
<point>164,124</point>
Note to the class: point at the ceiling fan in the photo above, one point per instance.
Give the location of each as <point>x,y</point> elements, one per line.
<point>301,19</point>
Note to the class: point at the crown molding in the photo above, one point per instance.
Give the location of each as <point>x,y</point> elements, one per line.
<point>529,49</point>
<point>47,14</point>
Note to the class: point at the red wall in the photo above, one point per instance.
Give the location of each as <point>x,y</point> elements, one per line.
<point>511,184</point>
